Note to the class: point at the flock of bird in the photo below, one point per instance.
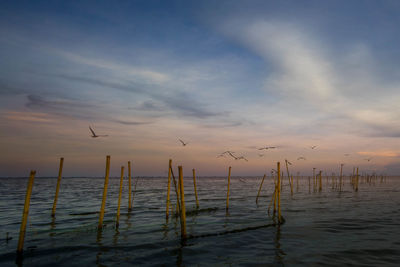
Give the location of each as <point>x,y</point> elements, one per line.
<point>228,152</point>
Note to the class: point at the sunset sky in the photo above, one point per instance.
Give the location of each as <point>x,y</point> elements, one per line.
<point>220,75</point>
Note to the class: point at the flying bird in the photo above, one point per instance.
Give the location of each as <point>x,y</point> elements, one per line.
<point>313,147</point>
<point>183,143</point>
<point>230,153</point>
<point>368,159</point>
<point>267,147</point>
<point>94,135</point>
<point>299,158</point>
<point>241,157</point>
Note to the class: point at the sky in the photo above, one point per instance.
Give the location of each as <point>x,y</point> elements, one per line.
<point>220,75</point>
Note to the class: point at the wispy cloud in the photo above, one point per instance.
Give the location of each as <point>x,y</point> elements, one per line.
<point>28,116</point>
<point>319,82</point>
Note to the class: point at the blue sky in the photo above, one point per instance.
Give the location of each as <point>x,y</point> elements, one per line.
<point>219,74</point>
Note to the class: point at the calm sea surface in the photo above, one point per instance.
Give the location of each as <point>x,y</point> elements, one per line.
<point>321,228</point>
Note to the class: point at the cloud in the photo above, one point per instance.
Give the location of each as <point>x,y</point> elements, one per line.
<point>180,102</point>
<point>135,72</point>
<point>132,122</point>
<point>390,154</point>
<point>28,116</point>
<point>313,82</point>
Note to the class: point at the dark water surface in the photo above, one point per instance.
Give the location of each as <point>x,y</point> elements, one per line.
<point>321,228</point>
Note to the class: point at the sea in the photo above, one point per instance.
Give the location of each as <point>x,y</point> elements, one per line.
<point>327,227</point>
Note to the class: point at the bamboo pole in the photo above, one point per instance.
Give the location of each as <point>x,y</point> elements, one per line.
<point>227,192</point>
<point>178,206</point>
<point>134,190</point>
<point>314,179</point>
<point>119,196</point>
<point>25,214</point>
<point>129,187</point>
<point>168,189</point>
<point>195,188</point>
<point>288,175</point>
<point>103,202</point>
<point>259,189</point>
<point>357,181</point>
<point>183,209</point>
<point>341,177</point>
<point>320,181</point>
<point>53,212</point>
<point>279,193</point>
<point>276,193</point>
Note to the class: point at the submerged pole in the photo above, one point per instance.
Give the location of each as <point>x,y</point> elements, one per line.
<point>227,191</point>
<point>168,189</point>
<point>259,189</point>
<point>183,209</point>
<point>103,202</point>
<point>195,188</point>
<point>25,214</point>
<point>53,212</point>
<point>119,195</point>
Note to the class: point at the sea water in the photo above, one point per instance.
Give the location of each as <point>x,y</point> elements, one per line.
<point>325,227</point>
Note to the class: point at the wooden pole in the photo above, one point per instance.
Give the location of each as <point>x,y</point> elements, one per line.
<point>259,189</point>
<point>279,193</point>
<point>129,187</point>
<point>314,183</point>
<point>195,188</point>
<point>168,189</point>
<point>357,180</point>
<point>53,212</point>
<point>119,196</point>
<point>103,202</point>
<point>341,177</point>
<point>183,209</point>
<point>25,214</point>
<point>227,192</point>
<point>320,181</point>
<point>178,206</point>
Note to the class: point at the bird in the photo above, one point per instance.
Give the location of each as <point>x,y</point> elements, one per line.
<point>299,158</point>
<point>241,157</point>
<point>313,147</point>
<point>368,159</point>
<point>94,135</point>
<point>267,147</point>
<point>183,143</point>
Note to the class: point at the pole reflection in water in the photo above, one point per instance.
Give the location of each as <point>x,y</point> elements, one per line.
<point>279,254</point>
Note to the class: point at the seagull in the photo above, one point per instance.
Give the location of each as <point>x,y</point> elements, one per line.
<point>267,147</point>
<point>241,157</point>
<point>312,147</point>
<point>94,135</point>
<point>369,159</point>
<point>299,158</point>
<point>183,143</point>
